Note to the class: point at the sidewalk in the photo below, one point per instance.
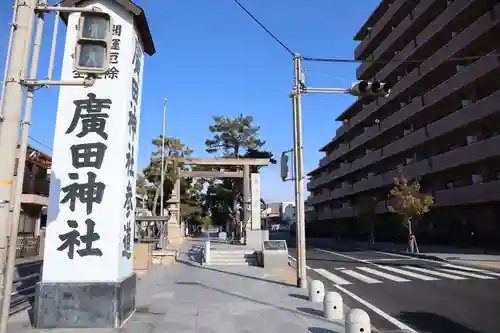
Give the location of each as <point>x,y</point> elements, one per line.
<point>472,257</point>
<point>187,297</point>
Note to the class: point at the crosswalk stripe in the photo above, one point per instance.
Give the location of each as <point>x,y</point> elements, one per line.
<point>360,277</point>
<point>470,274</point>
<point>410,274</point>
<point>382,274</point>
<point>428,271</point>
<point>478,270</point>
<point>331,277</point>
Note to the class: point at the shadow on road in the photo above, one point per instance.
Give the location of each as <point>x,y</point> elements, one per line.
<point>233,273</point>
<point>311,311</point>
<point>431,322</point>
<point>304,313</point>
<point>320,330</point>
<point>298,296</point>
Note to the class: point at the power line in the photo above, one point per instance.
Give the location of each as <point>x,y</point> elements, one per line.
<point>345,60</point>
<point>40,143</point>
<point>263,27</point>
<point>340,60</point>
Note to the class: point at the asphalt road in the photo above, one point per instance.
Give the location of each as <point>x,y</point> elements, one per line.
<point>400,292</point>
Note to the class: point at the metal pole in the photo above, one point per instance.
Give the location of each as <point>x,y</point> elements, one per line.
<point>162,176</point>
<point>299,178</point>
<point>53,46</point>
<point>9,133</point>
<point>13,219</point>
<point>7,58</point>
<point>295,183</point>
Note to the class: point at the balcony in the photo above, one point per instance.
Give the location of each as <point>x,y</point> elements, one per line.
<point>408,141</point>
<point>311,216</point>
<point>480,28</point>
<point>408,28</point>
<point>375,36</point>
<point>340,192</point>
<point>477,151</point>
<point>330,213</point>
<point>368,183</point>
<point>364,113</point>
<point>366,160</point>
<point>443,21</point>
<point>469,154</point>
<point>471,194</point>
<point>482,68</point>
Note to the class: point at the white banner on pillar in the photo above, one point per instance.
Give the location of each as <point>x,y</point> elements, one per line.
<point>255,188</point>
<point>89,232</point>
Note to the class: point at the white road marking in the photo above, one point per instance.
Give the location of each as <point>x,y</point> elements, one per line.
<point>428,271</point>
<point>410,274</point>
<point>378,311</point>
<point>382,274</point>
<point>478,270</point>
<point>344,255</point>
<point>466,268</point>
<point>470,274</point>
<point>331,277</point>
<point>389,259</point>
<point>360,277</point>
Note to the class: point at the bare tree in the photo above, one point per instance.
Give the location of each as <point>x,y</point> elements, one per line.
<point>409,202</point>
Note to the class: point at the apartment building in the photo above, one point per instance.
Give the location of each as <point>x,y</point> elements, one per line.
<point>440,124</point>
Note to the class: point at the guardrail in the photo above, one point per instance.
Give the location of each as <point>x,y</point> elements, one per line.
<point>28,274</point>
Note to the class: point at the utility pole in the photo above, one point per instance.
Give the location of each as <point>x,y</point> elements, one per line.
<point>15,205</point>
<point>162,176</point>
<point>12,112</point>
<point>299,173</point>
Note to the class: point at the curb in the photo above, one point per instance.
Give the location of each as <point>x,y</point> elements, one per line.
<point>487,267</point>
<point>415,255</point>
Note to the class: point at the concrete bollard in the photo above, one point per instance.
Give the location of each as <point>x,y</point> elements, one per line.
<point>316,291</point>
<point>333,306</point>
<point>357,321</point>
<point>207,252</point>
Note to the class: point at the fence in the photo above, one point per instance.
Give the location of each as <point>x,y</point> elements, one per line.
<point>27,246</point>
<point>28,274</point>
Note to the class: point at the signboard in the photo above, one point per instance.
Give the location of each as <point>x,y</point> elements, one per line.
<point>275,245</point>
<point>92,188</point>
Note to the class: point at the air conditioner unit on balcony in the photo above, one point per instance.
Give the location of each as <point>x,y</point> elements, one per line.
<point>477,178</point>
<point>466,102</point>
<point>471,139</point>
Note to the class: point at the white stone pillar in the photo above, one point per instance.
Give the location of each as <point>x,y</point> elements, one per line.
<point>255,188</point>
<point>87,279</point>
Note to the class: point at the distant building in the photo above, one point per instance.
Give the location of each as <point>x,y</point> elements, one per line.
<point>34,202</point>
<point>35,197</point>
<point>287,212</point>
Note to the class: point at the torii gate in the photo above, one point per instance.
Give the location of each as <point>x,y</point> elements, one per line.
<point>253,233</point>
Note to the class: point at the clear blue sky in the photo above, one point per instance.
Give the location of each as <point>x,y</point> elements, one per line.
<point>213,59</point>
